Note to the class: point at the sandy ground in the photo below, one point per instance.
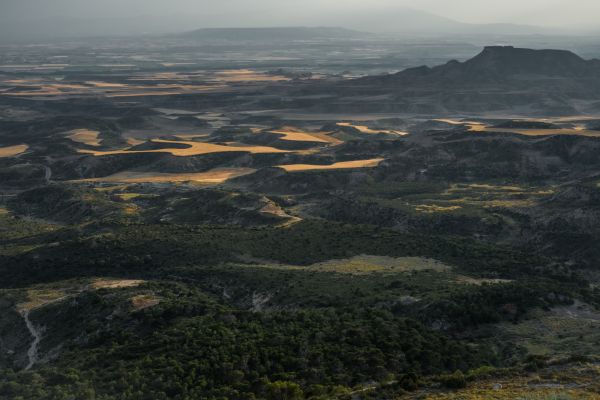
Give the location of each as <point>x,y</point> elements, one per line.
<point>116,283</point>
<point>296,135</point>
<point>578,130</point>
<point>12,151</point>
<point>85,136</point>
<point>195,148</point>
<point>340,165</point>
<point>543,132</point>
<point>214,176</point>
<point>367,130</point>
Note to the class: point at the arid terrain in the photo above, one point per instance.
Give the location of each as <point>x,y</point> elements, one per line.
<point>226,219</point>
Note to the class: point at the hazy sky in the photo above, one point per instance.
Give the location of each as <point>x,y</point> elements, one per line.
<point>537,12</point>
<point>183,14</point>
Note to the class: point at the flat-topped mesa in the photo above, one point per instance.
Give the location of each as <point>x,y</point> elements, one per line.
<point>499,78</point>
<point>509,60</point>
<point>497,64</point>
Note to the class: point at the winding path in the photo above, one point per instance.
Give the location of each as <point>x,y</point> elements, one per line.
<point>32,352</point>
<point>47,174</point>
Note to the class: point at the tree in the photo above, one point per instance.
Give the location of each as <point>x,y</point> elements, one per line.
<point>284,390</point>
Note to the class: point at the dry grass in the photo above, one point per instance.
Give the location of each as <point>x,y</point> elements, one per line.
<point>134,142</point>
<point>37,298</point>
<point>543,132</point>
<point>563,331</point>
<point>12,151</point>
<point>142,301</point>
<point>128,196</point>
<point>274,209</point>
<point>217,175</point>
<point>479,281</point>
<point>578,130</point>
<point>162,90</point>
<point>515,390</point>
<point>85,136</point>
<point>365,129</point>
<point>246,75</point>
<point>37,87</point>
<point>339,165</point>
<point>107,283</point>
<point>297,135</point>
<point>494,196</point>
<point>365,264</point>
<point>488,187</point>
<point>193,149</point>
<point>432,208</point>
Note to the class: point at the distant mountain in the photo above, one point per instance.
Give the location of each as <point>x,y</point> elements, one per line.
<point>408,21</point>
<point>510,61</point>
<point>499,78</point>
<point>396,20</point>
<point>273,33</point>
<point>503,63</point>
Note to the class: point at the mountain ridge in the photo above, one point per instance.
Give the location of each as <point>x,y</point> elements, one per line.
<point>499,78</point>
<point>498,62</point>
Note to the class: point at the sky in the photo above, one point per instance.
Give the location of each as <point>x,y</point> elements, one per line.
<point>173,15</point>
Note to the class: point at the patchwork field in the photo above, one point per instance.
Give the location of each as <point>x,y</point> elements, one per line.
<point>85,136</point>
<point>339,165</point>
<point>482,127</point>
<point>218,175</point>
<point>42,88</point>
<point>296,135</point>
<point>370,251</point>
<point>193,149</point>
<point>11,151</point>
<point>538,132</point>
<point>468,198</point>
<point>367,130</point>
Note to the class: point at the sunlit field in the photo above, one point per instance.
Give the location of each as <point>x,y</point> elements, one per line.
<point>365,129</point>
<point>297,135</point>
<point>194,149</point>
<point>85,136</point>
<point>339,165</point>
<point>11,151</point>
<point>481,127</point>
<point>214,176</point>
